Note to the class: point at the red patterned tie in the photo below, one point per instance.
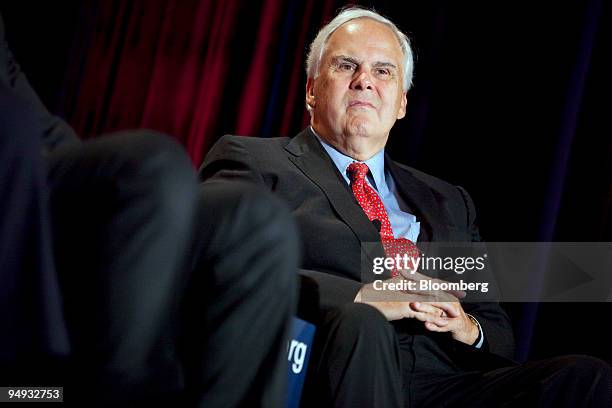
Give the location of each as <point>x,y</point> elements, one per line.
<point>374,208</point>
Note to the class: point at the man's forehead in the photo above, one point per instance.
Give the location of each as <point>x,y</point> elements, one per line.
<point>362,35</point>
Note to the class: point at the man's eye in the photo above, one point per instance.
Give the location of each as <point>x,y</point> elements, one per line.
<point>383,72</point>
<point>346,67</point>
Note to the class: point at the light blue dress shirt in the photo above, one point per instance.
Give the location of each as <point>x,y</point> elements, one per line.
<point>403,223</point>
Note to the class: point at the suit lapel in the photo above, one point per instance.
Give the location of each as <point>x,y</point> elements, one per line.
<point>310,157</point>
<point>422,202</point>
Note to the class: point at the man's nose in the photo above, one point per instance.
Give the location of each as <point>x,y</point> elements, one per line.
<point>361,81</point>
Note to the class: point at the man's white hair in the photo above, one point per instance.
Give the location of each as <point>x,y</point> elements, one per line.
<point>317,47</point>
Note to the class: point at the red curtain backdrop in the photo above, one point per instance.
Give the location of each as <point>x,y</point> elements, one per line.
<point>195,69</point>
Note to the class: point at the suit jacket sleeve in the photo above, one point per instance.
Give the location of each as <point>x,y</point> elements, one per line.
<point>230,160</point>
<point>492,318</point>
<point>54,131</point>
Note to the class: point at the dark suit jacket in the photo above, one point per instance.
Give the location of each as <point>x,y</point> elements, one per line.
<point>53,130</point>
<point>31,316</point>
<point>333,225</point>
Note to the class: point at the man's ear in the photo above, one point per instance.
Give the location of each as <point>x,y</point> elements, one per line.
<point>402,110</point>
<point>310,98</point>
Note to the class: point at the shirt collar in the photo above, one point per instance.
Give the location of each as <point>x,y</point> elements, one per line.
<point>376,163</point>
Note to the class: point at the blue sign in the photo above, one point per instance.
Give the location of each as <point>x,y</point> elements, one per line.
<point>298,353</point>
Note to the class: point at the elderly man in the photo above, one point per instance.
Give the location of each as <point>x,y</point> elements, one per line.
<point>345,193</point>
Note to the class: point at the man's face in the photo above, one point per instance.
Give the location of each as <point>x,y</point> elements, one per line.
<point>358,94</point>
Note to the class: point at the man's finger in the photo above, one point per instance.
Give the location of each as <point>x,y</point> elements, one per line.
<point>427,308</point>
<point>431,296</point>
<point>452,309</point>
<point>436,328</point>
<point>430,318</point>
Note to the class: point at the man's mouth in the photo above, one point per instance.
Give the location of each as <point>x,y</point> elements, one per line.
<point>361,104</point>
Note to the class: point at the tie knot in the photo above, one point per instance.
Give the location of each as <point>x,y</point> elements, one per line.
<point>357,171</point>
